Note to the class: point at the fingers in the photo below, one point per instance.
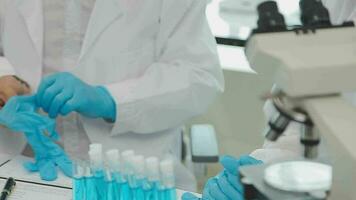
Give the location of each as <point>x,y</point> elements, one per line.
<point>65,165</point>
<point>66,169</point>
<point>55,94</point>
<point>30,167</point>
<point>234,181</point>
<point>214,191</point>
<point>47,169</point>
<point>248,160</point>
<point>68,107</point>
<point>230,190</point>
<point>231,179</point>
<point>231,164</point>
<point>46,83</point>
<point>49,94</point>
<point>58,102</point>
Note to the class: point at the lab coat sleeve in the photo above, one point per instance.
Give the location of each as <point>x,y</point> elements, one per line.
<point>5,66</point>
<point>10,143</point>
<point>181,84</point>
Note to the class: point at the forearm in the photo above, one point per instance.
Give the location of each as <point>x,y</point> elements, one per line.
<point>165,97</point>
<point>182,83</point>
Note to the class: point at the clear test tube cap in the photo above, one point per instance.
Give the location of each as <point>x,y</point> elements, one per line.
<point>113,159</point>
<point>167,167</point>
<point>152,168</point>
<point>126,157</point>
<point>96,157</point>
<point>167,173</point>
<point>138,164</point>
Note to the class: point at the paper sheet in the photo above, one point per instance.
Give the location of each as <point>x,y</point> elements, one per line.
<point>25,191</point>
<point>15,169</point>
<point>4,158</point>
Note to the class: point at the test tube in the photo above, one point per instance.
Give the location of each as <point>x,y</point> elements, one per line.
<point>152,185</point>
<point>136,181</point>
<point>90,183</point>
<point>168,179</point>
<point>96,156</point>
<point>96,164</point>
<point>126,173</point>
<point>111,172</point>
<point>78,181</point>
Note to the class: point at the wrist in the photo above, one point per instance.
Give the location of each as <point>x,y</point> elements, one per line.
<point>109,105</point>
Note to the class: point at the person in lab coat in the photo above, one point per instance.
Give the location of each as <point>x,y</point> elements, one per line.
<point>157,60</point>
<point>225,185</point>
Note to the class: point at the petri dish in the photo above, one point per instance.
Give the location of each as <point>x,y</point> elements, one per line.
<point>299,176</point>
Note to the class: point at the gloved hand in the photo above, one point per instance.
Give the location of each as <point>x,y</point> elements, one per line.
<point>63,93</point>
<point>225,186</point>
<point>19,115</point>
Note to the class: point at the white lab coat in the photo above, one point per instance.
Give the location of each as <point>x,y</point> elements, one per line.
<point>288,145</point>
<point>157,58</point>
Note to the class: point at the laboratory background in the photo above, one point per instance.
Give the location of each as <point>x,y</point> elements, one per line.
<point>238,112</point>
<point>178,99</point>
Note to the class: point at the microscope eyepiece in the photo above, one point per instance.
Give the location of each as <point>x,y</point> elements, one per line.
<point>268,6</point>
<point>269,17</point>
<point>314,13</point>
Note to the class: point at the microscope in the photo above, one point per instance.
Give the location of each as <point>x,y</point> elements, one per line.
<point>313,64</point>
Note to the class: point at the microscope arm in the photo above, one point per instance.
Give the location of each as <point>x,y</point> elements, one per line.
<point>335,120</point>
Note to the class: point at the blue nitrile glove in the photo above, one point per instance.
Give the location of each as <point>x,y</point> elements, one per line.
<point>63,93</point>
<point>19,115</point>
<point>48,155</point>
<point>226,185</point>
